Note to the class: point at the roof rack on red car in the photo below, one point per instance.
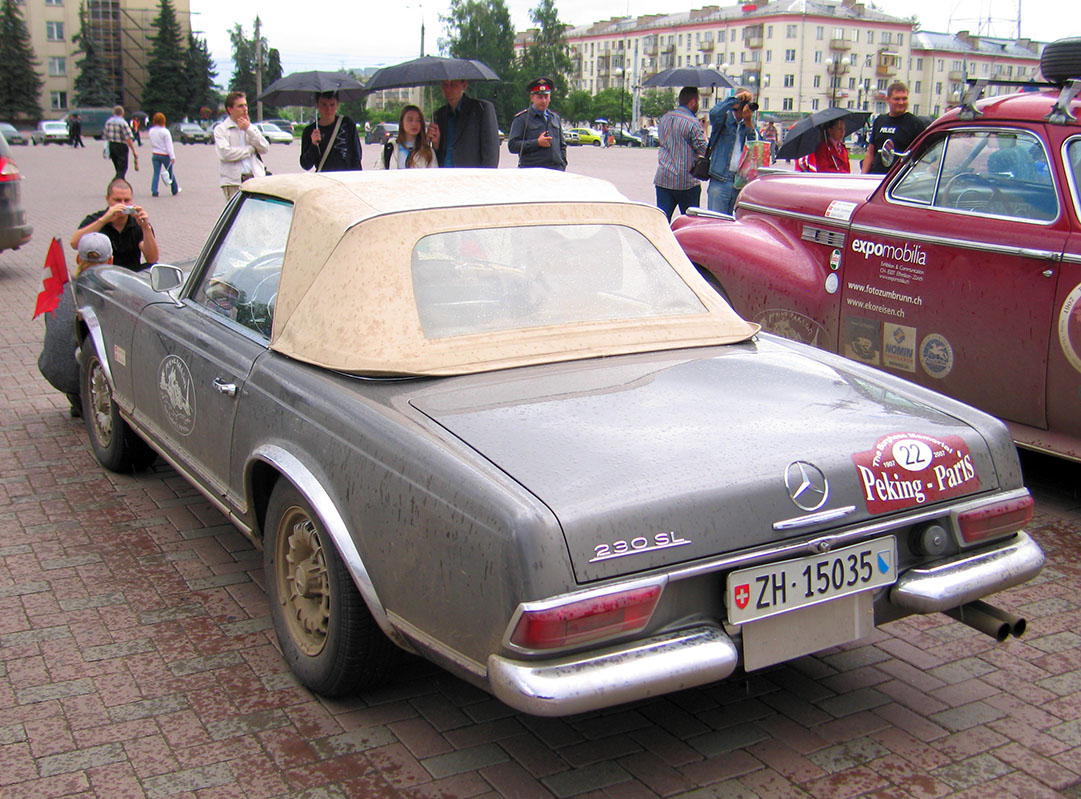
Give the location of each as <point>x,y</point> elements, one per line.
<point>1060,113</point>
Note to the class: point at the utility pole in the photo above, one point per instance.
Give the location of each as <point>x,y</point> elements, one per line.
<point>258,71</point>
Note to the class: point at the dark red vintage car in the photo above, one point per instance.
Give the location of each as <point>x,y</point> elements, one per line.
<point>959,270</point>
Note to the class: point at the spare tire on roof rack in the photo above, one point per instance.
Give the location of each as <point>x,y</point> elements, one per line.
<point>1061,60</point>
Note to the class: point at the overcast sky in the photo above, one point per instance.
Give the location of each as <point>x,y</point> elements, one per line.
<point>331,34</point>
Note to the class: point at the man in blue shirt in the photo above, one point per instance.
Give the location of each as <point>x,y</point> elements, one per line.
<point>732,120</point>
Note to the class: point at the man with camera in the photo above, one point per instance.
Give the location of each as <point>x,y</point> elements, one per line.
<point>732,122</point>
<point>127,226</point>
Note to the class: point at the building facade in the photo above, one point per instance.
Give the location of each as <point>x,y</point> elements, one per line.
<point>797,56</point>
<point>121,29</point>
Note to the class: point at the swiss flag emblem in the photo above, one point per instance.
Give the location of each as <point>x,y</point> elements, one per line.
<point>742,595</point>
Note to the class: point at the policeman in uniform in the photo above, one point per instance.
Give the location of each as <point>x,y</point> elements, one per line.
<point>536,133</point>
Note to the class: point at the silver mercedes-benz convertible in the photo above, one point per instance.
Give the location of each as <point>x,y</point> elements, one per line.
<point>502,422</point>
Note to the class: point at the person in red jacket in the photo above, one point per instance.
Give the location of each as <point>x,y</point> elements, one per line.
<point>831,155</point>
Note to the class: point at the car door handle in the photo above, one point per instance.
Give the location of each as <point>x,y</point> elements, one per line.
<point>228,389</point>
<point>1049,273</point>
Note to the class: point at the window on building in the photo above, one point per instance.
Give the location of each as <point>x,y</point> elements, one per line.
<point>769,55</point>
<point>679,60</point>
<point>791,31</point>
<point>817,81</point>
<point>764,102</point>
<point>852,83</point>
<point>769,31</point>
<point>54,31</point>
<point>941,64</point>
<point>917,87</point>
<point>867,60</point>
<point>820,33</point>
<point>958,65</point>
<point>790,81</point>
<point>790,56</point>
<point>938,109</point>
<point>818,56</point>
<point>919,64</point>
<point>870,37</point>
<point>681,40</point>
<point>721,36</point>
<point>881,85</point>
<point>900,39</point>
<point>938,88</point>
<point>916,109</point>
<point>58,101</point>
<point>814,104</point>
<point>731,58</point>
<point>54,2</point>
<point>58,66</point>
<point>755,56</point>
<point>887,37</point>
<point>786,104</point>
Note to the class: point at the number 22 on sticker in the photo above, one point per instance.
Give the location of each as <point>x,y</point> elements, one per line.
<point>911,454</point>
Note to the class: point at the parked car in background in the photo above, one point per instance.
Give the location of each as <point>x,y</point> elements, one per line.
<point>285,124</point>
<point>50,132</point>
<point>625,139</point>
<point>385,379</point>
<point>14,230</point>
<point>190,133</point>
<point>570,136</point>
<point>92,119</point>
<point>588,136</point>
<point>13,135</point>
<point>273,133</point>
<point>959,270</point>
<point>381,133</point>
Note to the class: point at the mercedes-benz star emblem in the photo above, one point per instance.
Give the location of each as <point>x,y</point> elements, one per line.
<point>807,485</point>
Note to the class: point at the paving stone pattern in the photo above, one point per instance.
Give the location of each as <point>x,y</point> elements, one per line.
<point>137,657</point>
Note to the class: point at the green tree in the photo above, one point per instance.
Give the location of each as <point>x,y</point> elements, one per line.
<point>658,102</point>
<point>244,64</point>
<point>94,85</point>
<point>167,88</point>
<point>200,73</point>
<point>613,104</point>
<point>578,107</point>
<point>481,29</point>
<point>547,55</point>
<point>20,84</point>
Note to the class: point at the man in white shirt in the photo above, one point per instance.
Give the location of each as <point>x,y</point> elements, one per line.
<point>239,145</point>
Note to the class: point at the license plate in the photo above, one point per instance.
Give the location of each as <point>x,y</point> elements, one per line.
<point>774,588</point>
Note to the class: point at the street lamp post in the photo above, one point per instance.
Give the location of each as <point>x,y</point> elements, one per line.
<point>620,72</point>
<point>835,67</point>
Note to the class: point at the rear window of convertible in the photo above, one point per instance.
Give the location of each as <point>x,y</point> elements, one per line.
<point>480,281</point>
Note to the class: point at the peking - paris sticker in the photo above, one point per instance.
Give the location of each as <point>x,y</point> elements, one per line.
<point>904,470</point>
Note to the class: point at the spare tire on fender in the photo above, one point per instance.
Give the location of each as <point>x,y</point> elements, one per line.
<point>1061,60</point>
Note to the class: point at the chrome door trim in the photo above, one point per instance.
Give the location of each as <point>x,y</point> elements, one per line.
<point>998,249</point>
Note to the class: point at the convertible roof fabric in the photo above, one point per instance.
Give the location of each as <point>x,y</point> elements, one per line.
<point>346,298</point>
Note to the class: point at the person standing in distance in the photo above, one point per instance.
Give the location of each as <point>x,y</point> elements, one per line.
<point>117,133</point>
<point>464,132</point>
<point>536,133</point>
<point>238,144</point>
<point>897,126</point>
<point>331,144</point>
<point>680,138</point>
<point>733,126</point>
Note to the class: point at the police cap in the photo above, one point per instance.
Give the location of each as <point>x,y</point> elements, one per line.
<point>541,86</point>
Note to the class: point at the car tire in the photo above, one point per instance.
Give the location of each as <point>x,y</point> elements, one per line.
<point>116,446</point>
<point>326,634</point>
<point>596,143</point>
<point>1061,60</point>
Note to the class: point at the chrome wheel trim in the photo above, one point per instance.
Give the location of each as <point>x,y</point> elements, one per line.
<point>101,403</point>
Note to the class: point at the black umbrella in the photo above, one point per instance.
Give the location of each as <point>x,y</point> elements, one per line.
<point>300,88</point>
<point>690,76</point>
<point>805,136</point>
<point>428,70</point>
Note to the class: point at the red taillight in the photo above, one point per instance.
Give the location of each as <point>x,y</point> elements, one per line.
<point>998,519</point>
<point>584,620</point>
<point>8,170</point>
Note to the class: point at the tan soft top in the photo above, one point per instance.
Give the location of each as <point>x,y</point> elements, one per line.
<point>346,298</point>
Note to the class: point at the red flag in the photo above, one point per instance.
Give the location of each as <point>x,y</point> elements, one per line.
<point>54,282</point>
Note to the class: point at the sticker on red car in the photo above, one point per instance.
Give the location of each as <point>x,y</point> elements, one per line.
<point>1069,328</point>
<point>903,470</point>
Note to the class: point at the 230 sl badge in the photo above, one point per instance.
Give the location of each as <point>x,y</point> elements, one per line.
<point>637,546</point>
<point>177,395</point>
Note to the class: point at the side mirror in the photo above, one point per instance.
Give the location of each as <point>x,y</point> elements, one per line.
<point>889,153</point>
<point>165,277</point>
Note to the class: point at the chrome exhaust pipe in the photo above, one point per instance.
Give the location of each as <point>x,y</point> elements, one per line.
<point>979,619</point>
<point>1018,625</point>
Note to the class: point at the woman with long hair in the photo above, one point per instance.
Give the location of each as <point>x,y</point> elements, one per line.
<point>162,155</point>
<point>411,150</point>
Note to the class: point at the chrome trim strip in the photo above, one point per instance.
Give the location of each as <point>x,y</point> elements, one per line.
<point>572,597</point>
<point>705,213</point>
<point>814,546</point>
<point>1000,249</point>
<point>310,488</point>
<point>423,643</point>
<point>658,665</point>
<point>812,218</point>
<point>968,577</point>
<point>813,518</point>
<point>1071,258</point>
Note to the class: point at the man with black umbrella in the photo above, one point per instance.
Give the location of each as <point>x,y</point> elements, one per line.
<point>536,133</point>
<point>464,132</point>
<point>330,144</point>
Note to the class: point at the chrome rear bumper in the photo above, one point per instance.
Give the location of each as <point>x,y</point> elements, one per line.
<point>968,577</point>
<point>636,670</point>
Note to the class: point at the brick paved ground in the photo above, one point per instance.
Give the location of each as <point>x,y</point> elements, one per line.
<point>137,659</point>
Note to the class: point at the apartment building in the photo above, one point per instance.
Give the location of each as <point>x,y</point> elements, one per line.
<point>121,28</point>
<point>796,55</point>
